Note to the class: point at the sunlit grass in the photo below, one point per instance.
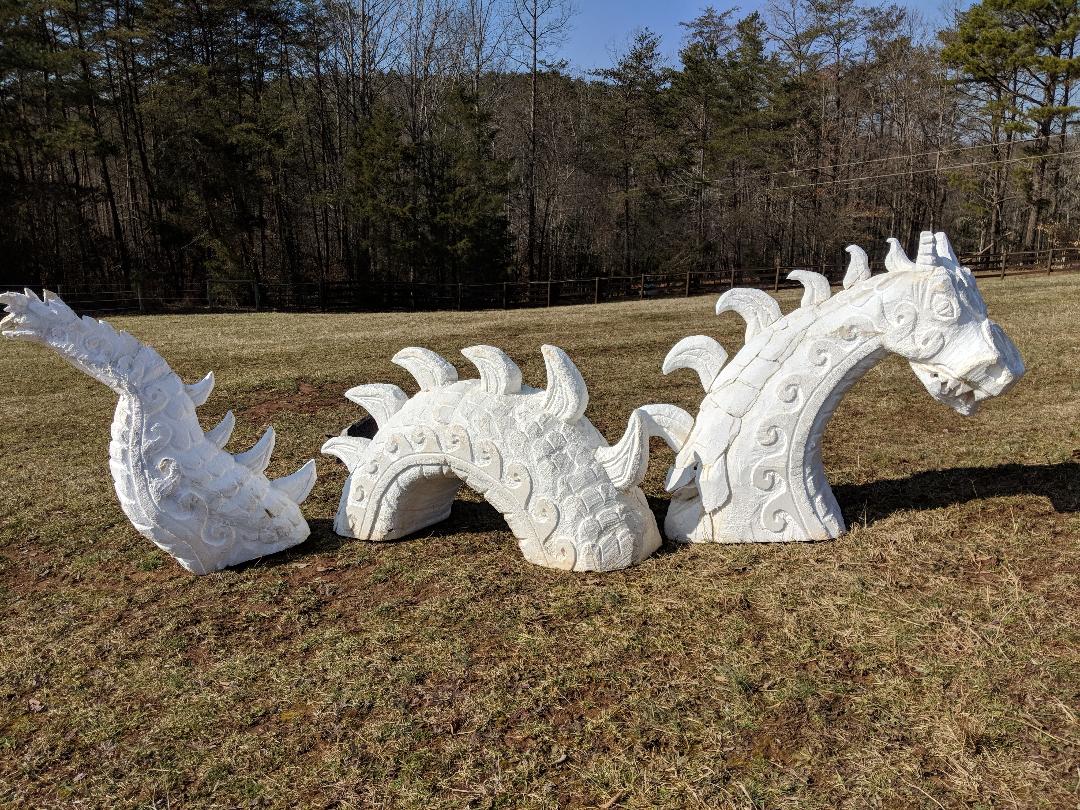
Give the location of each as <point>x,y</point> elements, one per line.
<point>929,657</point>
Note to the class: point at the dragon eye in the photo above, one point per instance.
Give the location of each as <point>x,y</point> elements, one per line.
<point>944,306</point>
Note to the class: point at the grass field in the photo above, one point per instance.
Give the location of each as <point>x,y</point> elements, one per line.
<point>929,658</point>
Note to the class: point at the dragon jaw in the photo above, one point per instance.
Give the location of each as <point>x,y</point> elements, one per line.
<point>988,376</point>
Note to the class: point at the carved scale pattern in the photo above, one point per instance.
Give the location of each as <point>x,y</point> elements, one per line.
<point>572,502</point>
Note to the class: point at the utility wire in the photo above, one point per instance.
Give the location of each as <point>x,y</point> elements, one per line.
<point>927,170</point>
<point>864,161</point>
<point>754,175</point>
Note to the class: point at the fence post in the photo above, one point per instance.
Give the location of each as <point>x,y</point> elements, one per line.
<point>1050,262</point>
<point>549,293</point>
<point>459,296</point>
<point>138,294</point>
<point>1004,256</point>
<point>687,284</point>
<point>506,304</point>
<point>596,290</point>
<point>208,293</point>
<point>641,292</point>
<point>776,273</point>
<point>255,287</point>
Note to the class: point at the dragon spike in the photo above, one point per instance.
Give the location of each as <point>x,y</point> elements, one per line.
<point>945,249</point>
<point>30,294</point>
<point>626,462</point>
<point>428,369</point>
<point>668,422</point>
<point>346,448</point>
<point>297,486</point>
<point>858,268</point>
<point>896,261</point>
<point>219,435</point>
<point>498,373</point>
<point>700,353</point>
<point>928,255</point>
<point>567,395</point>
<point>50,297</point>
<point>381,400</point>
<point>756,307</point>
<point>682,472</point>
<point>258,457</point>
<point>816,287</point>
<point>200,391</point>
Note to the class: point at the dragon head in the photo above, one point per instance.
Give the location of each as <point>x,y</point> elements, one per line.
<point>940,325</point>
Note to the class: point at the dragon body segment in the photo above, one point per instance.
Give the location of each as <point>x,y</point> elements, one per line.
<point>751,468</point>
<point>572,501</point>
<point>178,487</point>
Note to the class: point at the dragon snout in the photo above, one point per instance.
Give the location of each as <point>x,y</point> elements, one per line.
<point>987,370</point>
<point>1004,369</point>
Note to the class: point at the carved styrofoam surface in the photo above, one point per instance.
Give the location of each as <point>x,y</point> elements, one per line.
<point>751,469</point>
<point>572,502</point>
<point>178,487</point>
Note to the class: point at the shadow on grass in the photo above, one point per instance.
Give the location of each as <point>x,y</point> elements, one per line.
<point>861,504</point>
<point>867,503</point>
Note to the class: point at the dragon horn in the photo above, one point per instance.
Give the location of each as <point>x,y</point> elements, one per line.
<point>928,255</point>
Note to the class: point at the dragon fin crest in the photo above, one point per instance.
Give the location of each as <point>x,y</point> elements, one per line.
<point>258,457</point>
<point>200,391</point>
<point>428,369</point>
<point>498,373</point>
<point>816,287</point>
<point>219,435</point>
<point>756,307</point>
<point>567,395</point>
<point>701,353</point>
<point>297,486</point>
<point>381,400</point>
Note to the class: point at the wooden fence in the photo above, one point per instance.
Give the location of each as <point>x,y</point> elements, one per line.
<point>249,295</point>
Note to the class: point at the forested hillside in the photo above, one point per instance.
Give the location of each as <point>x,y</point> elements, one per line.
<point>176,142</point>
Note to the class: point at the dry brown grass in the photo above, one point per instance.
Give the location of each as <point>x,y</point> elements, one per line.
<point>929,658</point>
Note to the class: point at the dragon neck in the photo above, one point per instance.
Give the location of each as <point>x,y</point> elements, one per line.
<point>782,432</point>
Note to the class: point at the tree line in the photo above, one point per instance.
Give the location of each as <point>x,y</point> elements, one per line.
<point>176,142</point>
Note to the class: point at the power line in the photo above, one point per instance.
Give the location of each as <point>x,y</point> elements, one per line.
<point>754,175</point>
<point>928,170</point>
<point>910,156</point>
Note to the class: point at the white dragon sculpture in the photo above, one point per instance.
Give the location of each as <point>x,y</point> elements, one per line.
<point>176,484</point>
<point>572,501</point>
<point>748,467</point>
<point>751,469</point>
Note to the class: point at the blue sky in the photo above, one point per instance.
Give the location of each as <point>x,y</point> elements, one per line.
<point>601,26</point>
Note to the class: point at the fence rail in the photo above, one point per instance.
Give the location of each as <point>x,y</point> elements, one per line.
<point>249,295</point>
